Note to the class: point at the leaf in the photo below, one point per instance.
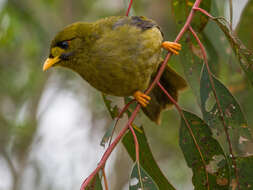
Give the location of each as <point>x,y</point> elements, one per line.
<point>95,184</point>
<point>245,168</point>
<point>244,28</point>
<point>238,129</point>
<point>140,180</point>
<point>213,155</point>
<point>191,62</point>
<point>114,111</point>
<point>147,160</point>
<point>244,55</point>
<point>182,10</point>
<point>108,134</point>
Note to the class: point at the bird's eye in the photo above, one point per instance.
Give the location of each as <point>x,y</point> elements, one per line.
<point>63,45</point>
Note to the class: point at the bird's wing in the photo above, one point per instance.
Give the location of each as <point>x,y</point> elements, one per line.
<point>139,21</point>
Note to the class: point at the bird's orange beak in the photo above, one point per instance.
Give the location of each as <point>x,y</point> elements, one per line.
<point>50,62</point>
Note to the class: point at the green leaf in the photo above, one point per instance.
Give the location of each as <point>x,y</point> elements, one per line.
<point>213,155</point>
<point>182,10</point>
<point>192,61</point>
<point>95,184</point>
<point>141,180</point>
<point>113,110</point>
<point>244,55</point>
<point>244,28</point>
<point>108,134</point>
<point>238,130</point>
<point>147,160</point>
<point>245,168</point>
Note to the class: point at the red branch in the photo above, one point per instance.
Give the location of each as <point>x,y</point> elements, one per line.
<point>129,7</point>
<point>110,149</point>
<point>218,103</point>
<point>135,112</point>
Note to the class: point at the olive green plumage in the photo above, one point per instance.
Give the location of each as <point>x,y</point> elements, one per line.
<point>117,56</point>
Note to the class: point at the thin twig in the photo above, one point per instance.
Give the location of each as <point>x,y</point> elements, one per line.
<point>105,179</point>
<point>218,102</point>
<point>231,14</point>
<point>180,111</point>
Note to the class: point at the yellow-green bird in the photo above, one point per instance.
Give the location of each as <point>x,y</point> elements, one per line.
<point>120,56</point>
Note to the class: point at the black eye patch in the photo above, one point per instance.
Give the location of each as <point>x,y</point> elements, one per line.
<point>63,45</point>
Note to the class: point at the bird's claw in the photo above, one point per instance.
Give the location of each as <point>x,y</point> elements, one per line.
<point>142,98</point>
<point>172,47</point>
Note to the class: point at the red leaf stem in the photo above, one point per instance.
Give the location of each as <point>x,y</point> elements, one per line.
<point>204,12</point>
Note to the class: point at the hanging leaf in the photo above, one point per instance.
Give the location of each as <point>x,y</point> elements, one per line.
<point>244,55</point>
<point>140,180</point>
<point>108,134</point>
<point>237,126</point>
<point>95,184</point>
<point>214,165</point>
<point>245,168</point>
<point>113,110</point>
<point>182,10</point>
<point>147,160</point>
<point>244,28</point>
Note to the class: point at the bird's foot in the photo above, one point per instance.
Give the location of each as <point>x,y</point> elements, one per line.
<point>142,98</point>
<point>172,46</point>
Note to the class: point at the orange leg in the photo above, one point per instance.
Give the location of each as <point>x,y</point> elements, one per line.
<point>172,46</point>
<point>142,98</point>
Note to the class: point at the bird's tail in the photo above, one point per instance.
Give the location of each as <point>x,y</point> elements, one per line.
<point>173,83</point>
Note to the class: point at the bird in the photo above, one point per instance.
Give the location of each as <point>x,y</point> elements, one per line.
<point>119,56</point>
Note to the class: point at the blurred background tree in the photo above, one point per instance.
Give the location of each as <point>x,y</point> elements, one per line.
<point>51,123</point>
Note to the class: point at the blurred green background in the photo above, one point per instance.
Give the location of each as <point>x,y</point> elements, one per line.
<point>51,123</point>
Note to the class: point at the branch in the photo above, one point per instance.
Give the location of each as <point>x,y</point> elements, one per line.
<point>129,7</point>
<point>110,149</point>
<point>218,103</point>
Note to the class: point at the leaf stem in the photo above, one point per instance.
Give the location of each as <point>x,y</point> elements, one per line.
<point>204,12</point>
<point>105,179</point>
<point>136,144</point>
<point>180,111</point>
<point>217,101</point>
<point>231,14</point>
<point>137,155</point>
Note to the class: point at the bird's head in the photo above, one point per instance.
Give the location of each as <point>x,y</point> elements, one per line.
<point>68,45</point>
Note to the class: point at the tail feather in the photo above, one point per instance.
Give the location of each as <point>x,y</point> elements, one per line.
<point>173,83</point>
